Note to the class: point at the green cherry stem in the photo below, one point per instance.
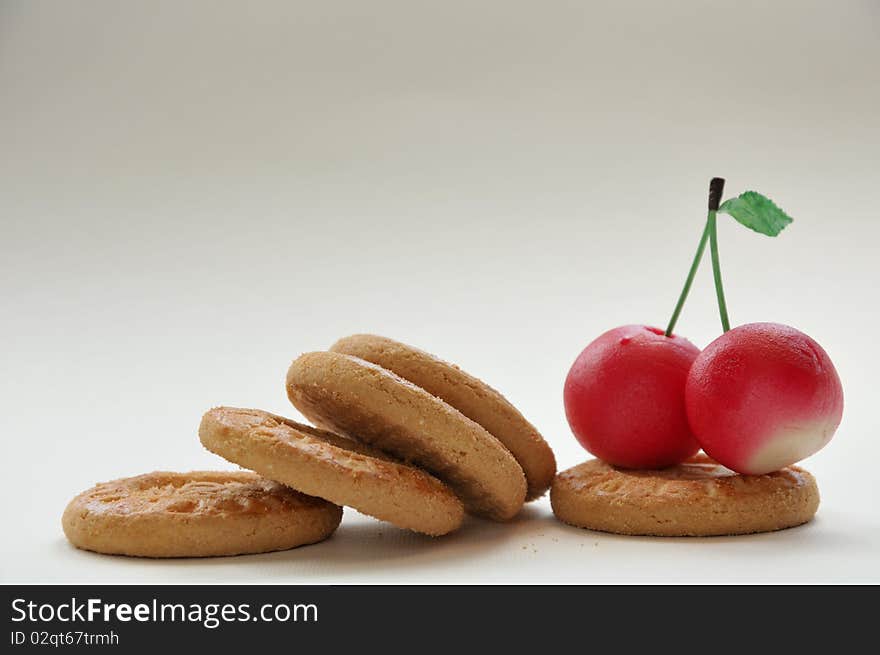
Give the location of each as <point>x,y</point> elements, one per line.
<point>716,270</point>
<point>716,189</point>
<point>710,234</point>
<point>689,281</point>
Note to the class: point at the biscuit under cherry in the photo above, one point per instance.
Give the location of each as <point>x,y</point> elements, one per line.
<point>697,498</point>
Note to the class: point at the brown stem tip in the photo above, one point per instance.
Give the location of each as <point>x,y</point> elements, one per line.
<point>716,190</point>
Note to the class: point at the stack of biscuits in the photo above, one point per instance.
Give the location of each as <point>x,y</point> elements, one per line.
<point>398,434</point>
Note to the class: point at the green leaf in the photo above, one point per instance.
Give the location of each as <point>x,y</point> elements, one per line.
<point>757,213</point>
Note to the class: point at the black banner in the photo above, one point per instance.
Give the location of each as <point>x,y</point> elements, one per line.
<point>232,618</point>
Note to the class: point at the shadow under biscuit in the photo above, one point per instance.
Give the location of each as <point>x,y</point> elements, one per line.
<point>793,532</point>
<point>362,542</point>
<point>359,545</point>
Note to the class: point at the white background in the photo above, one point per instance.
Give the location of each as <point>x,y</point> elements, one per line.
<point>192,194</point>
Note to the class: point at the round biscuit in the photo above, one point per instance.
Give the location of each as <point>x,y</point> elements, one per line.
<point>332,467</point>
<point>366,402</point>
<point>697,498</point>
<point>196,514</point>
<point>466,393</point>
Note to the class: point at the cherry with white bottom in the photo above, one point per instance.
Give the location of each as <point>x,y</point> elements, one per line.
<point>759,398</point>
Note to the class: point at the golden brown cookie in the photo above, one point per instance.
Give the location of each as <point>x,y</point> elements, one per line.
<point>332,467</point>
<point>469,395</point>
<point>366,402</point>
<point>697,498</point>
<point>197,514</point>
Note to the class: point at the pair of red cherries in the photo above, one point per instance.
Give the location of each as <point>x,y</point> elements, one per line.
<point>760,397</point>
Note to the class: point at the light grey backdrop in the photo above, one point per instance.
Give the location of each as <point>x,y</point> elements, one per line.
<point>193,193</point>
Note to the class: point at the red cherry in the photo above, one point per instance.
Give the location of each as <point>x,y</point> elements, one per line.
<point>624,397</point>
<point>763,396</point>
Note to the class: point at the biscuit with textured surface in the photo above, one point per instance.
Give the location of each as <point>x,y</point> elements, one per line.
<point>366,402</point>
<point>697,498</point>
<point>332,467</point>
<point>197,514</point>
<point>469,395</point>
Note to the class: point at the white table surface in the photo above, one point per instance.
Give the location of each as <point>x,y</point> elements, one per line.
<point>191,196</point>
